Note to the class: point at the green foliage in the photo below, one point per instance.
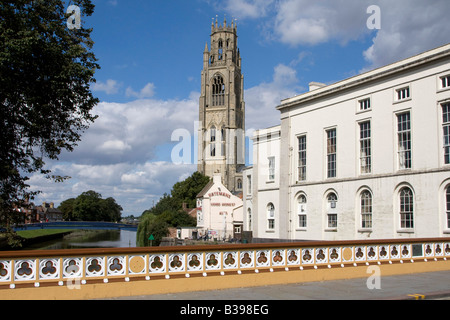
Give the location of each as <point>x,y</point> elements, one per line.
<point>45,97</point>
<point>151,225</point>
<point>89,206</point>
<point>66,207</point>
<point>168,211</point>
<point>187,190</point>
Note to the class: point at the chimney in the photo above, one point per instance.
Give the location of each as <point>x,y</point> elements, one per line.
<point>217,178</point>
<point>316,85</point>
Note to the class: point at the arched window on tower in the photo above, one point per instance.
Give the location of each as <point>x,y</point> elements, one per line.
<point>218,91</point>
<point>222,142</point>
<point>220,50</point>
<point>212,145</point>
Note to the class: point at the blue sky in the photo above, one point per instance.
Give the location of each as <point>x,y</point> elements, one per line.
<point>151,52</point>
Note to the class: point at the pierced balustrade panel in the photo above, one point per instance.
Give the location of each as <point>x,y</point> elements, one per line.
<point>360,254</point>
<point>157,263</point>
<point>405,251</point>
<point>394,251</point>
<point>177,262</point>
<point>213,261</point>
<point>5,270</point>
<point>334,255</point>
<point>308,256</point>
<point>293,257</point>
<point>262,258</point>
<point>247,259</point>
<point>447,249</point>
<point>321,255</point>
<point>278,257</point>
<point>230,260</point>
<point>383,252</point>
<point>49,269</point>
<point>116,266</point>
<point>372,253</point>
<point>95,267</point>
<point>72,268</point>
<point>25,270</point>
<point>195,262</point>
<point>439,249</point>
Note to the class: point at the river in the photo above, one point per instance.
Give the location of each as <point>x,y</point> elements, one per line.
<point>90,239</point>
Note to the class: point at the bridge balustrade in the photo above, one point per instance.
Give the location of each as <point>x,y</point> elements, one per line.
<point>34,269</point>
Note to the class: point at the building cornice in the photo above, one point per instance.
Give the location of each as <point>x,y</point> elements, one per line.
<point>409,63</point>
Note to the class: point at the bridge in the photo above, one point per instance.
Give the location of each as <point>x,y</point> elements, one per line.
<point>115,272</point>
<point>84,225</point>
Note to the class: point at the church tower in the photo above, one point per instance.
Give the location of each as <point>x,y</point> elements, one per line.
<point>221,142</point>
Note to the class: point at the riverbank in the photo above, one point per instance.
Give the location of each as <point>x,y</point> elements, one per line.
<point>40,238</point>
<point>31,237</point>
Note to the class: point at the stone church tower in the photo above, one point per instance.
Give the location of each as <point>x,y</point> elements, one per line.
<point>221,142</point>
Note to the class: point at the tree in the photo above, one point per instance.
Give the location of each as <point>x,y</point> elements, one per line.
<point>168,211</point>
<point>151,225</point>
<point>89,206</point>
<point>186,191</point>
<point>111,211</point>
<point>66,207</point>
<point>45,98</point>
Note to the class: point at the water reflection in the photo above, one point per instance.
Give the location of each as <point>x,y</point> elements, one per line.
<point>90,239</point>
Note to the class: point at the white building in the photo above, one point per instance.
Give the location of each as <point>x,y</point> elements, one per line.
<point>366,157</point>
<point>219,212</point>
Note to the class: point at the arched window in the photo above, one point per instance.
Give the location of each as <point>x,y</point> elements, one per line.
<point>222,141</point>
<point>447,205</point>
<point>302,218</point>
<point>366,209</point>
<point>212,144</point>
<point>239,184</point>
<point>406,208</point>
<point>220,49</point>
<point>270,216</point>
<point>332,210</point>
<point>218,91</point>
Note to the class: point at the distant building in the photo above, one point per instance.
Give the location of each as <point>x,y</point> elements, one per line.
<point>366,157</point>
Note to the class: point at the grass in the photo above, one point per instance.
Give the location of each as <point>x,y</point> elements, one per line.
<point>30,234</point>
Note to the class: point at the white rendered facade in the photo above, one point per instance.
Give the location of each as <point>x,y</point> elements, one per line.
<point>219,212</point>
<point>367,157</point>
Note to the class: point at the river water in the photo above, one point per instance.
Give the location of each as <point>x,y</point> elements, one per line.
<point>98,239</point>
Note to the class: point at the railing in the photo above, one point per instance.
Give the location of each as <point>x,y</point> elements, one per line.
<point>24,269</point>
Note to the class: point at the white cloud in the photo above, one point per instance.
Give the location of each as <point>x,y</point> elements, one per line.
<point>408,28</point>
<point>110,87</point>
<point>304,22</point>
<point>131,131</point>
<point>147,92</point>
<point>261,100</point>
<point>243,9</point>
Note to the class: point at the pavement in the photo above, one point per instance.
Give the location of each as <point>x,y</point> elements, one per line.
<point>418,286</point>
